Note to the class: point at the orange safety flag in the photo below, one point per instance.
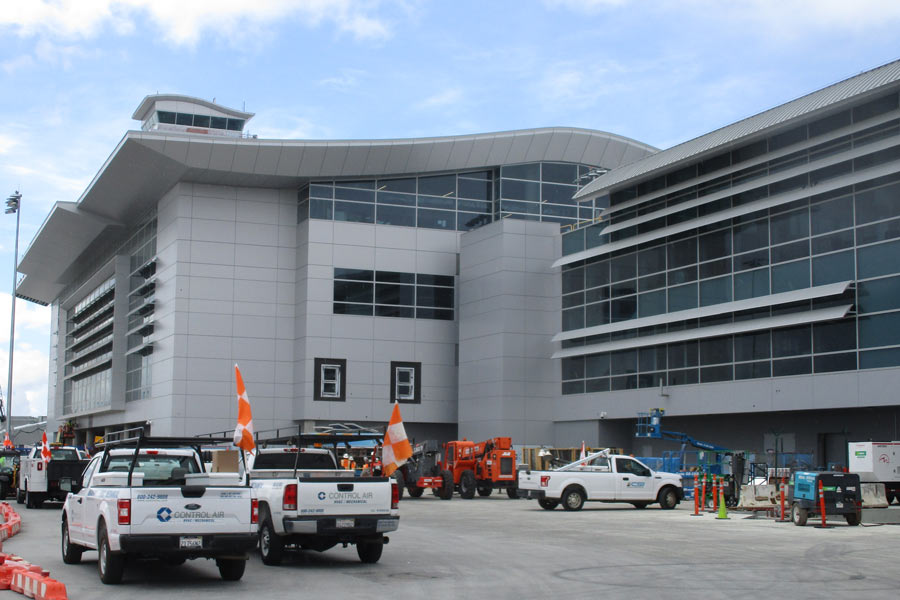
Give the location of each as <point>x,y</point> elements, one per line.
<point>243,432</point>
<point>7,443</point>
<point>45,448</point>
<point>583,451</point>
<point>396,449</point>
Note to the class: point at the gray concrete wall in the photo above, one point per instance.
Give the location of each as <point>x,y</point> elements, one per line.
<point>509,311</point>
<point>369,344</point>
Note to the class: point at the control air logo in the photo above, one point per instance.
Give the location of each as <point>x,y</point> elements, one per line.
<point>164,514</point>
<point>321,495</point>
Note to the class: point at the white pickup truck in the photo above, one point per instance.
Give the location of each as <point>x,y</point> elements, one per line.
<point>154,500</point>
<point>40,481</point>
<point>601,477</point>
<point>306,501</point>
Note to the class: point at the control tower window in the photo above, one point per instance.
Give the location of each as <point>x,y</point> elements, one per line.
<point>235,124</point>
<point>201,121</point>
<point>217,122</point>
<point>166,116</point>
<point>184,119</point>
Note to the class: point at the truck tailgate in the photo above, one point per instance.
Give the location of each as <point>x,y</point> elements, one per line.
<point>166,510</point>
<point>341,496</point>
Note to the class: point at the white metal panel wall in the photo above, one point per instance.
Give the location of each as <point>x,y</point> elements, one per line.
<point>509,311</point>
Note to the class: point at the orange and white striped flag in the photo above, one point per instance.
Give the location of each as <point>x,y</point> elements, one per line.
<point>7,443</point>
<point>396,449</point>
<point>45,448</point>
<point>243,432</point>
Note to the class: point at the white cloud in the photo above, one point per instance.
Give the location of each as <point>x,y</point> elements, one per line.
<point>443,99</point>
<point>347,80</point>
<point>184,23</point>
<point>589,6</point>
<point>30,364</point>
<point>7,143</point>
<point>30,379</point>
<point>28,316</point>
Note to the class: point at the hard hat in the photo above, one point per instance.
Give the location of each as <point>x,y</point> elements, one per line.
<point>346,456</point>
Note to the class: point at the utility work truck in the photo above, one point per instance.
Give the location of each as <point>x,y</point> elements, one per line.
<point>306,502</point>
<point>601,477</point>
<point>149,497</point>
<point>40,481</point>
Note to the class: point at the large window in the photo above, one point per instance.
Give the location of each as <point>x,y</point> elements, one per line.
<point>455,201</point>
<point>393,294</point>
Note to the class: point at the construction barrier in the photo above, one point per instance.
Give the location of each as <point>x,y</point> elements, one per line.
<point>873,495</point>
<point>19,575</point>
<point>758,497</point>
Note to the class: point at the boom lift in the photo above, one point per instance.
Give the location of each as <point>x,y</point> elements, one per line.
<point>649,426</point>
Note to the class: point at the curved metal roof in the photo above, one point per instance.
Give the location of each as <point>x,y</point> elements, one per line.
<point>140,113</point>
<point>146,164</point>
<point>829,97</point>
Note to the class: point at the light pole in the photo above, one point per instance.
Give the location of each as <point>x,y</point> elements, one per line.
<point>12,206</point>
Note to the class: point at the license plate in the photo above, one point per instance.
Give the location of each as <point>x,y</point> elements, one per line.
<point>344,523</point>
<point>190,541</point>
<point>65,485</point>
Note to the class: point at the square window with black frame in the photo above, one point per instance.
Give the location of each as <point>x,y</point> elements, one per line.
<point>406,382</point>
<point>330,379</point>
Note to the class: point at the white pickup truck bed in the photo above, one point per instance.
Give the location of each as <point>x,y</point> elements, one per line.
<point>317,506</point>
<point>158,505</point>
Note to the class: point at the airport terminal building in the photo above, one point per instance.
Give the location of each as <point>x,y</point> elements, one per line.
<point>544,284</point>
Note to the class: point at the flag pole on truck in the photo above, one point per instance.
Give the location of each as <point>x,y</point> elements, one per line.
<point>243,431</point>
<point>396,449</point>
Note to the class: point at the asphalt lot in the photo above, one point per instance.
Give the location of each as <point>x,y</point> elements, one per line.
<point>500,548</point>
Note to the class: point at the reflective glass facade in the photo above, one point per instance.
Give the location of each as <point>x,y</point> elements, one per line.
<point>455,201</point>
<point>828,200</point>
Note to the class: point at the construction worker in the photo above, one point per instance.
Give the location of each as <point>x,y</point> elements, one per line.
<point>347,463</point>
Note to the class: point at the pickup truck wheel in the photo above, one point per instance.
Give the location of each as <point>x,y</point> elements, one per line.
<point>798,515</point>
<point>467,485</point>
<point>485,491</point>
<point>415,491</point>
<point>71,553</point>
<point>20,496</point>
<point>30,500</point>
<point>547,503</point>
<point>446,490</point>
<point>853,518</point>
<point>369,552</point>
<point>231,569</point>
<point>110,565</point>
<point>667,498</point>
<point>271,547</point>
<point>573,498</point>
<point>512,493</point>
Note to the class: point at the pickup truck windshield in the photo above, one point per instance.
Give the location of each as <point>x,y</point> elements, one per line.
<point>63,454</point>
<point>158,470</point>
<point>285,460</point>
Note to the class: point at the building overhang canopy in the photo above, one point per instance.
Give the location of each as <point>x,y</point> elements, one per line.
<point>146,165</point>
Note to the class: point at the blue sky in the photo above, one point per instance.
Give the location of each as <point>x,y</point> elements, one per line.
<point>662,72</point>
